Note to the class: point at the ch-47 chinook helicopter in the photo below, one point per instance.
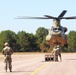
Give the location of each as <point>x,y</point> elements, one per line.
<point>56,35</point>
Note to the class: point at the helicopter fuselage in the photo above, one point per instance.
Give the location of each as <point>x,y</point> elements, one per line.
<point>57,34</point>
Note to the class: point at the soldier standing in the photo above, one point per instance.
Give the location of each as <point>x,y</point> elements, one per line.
<point>7,52</point>
<point>56,52</point>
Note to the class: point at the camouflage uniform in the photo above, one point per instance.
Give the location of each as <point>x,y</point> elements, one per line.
<point>56,52</point>
<point>7,51</point>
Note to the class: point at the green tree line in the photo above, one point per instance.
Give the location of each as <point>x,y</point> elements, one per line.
<point>28,42</point>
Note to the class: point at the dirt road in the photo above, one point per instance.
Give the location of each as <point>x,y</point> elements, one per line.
<point>34,64</point>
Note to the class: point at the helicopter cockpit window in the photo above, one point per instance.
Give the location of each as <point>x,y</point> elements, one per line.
<point>54,28</point>
<point>57,29</point>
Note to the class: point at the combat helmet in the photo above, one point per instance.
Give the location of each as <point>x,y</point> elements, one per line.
<point>6,44</point>
<point>58,46</point>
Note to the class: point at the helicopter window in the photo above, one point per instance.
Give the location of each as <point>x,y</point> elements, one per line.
<point>57,29</point>
<point>54,28</point>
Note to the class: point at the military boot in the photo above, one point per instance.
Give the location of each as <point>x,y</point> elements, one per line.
<point>10,68</point>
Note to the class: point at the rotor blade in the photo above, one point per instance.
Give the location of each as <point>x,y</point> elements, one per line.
<point>73,17</point>
<point>62,14</point>
<point>50,17</point>
<point>27,17</point>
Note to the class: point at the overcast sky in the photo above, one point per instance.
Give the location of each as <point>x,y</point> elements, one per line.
<point>10,9</point>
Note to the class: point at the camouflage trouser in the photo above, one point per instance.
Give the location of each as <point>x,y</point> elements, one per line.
<point>8,61</point>
<point>55,57</point>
